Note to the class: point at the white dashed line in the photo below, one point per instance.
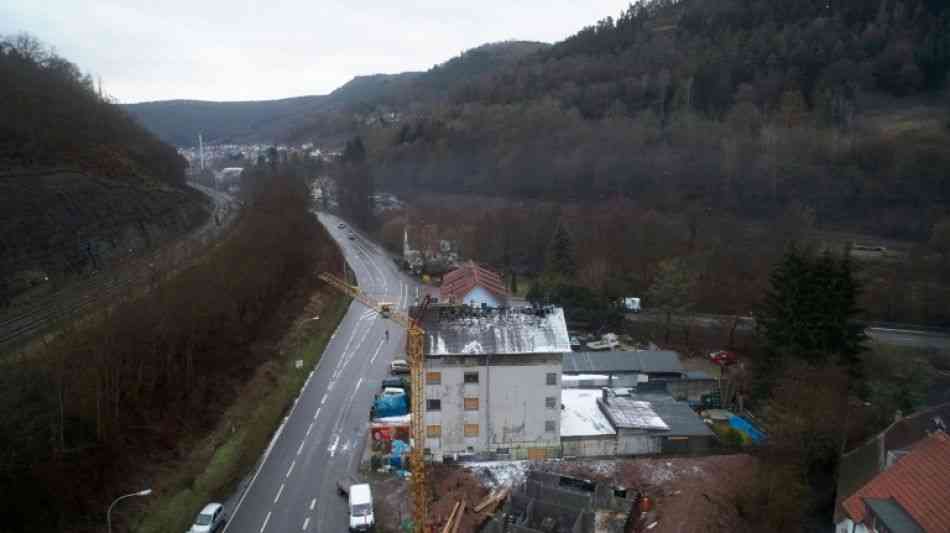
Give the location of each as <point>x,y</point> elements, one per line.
<point>300,449</point>
<point>309,429</point>
<point>291,469</point>
<point>313,503</point>
<point>279,492</point>
<point>316,414</point>
<point>306,523</point>
<point>266,519</point>
<point>323,400</point>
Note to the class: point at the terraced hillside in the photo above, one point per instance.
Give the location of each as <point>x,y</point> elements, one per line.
<point>59,224</point>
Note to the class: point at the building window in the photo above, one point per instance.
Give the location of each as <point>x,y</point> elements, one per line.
<point>550,402</point>
<point>471,404</point>
<point>550,426</point>
<point>471,430</point>
<point>434,432</point>
<point>433,405</point>
<point>471,377</point>
<point>433,378</point>
<point>552,378</point>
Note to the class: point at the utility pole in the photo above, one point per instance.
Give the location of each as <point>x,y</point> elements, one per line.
<point>201,152</point>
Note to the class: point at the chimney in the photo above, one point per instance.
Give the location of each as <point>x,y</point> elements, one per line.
<point>605,395</point>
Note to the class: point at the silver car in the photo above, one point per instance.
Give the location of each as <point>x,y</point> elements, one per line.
<point>210,519</point>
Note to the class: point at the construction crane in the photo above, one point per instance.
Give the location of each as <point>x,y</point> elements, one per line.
<point>414,353</point>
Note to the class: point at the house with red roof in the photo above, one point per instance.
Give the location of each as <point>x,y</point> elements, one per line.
<point>473,284</point>
<point>912,496</point>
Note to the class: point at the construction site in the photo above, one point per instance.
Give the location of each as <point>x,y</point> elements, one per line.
<point>519,433</point>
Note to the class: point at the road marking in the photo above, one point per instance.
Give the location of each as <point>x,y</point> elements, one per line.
<point>322,401</point>
<point>300,449</point>
<point>313,503</point>
<point>317,413</point>
<point>266,519</point>
<point>309,429</point>
<point>373,359</point>
<point>357,387</point>
<point>279,492</point>
<point>291,469</point>
<point>332,448</point>
<point>306,523</point>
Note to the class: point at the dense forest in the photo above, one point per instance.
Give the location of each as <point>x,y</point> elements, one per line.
<point>53,116</point>
<point>747,106</point>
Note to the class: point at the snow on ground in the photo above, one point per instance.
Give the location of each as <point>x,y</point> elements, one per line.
<point>500,473</point>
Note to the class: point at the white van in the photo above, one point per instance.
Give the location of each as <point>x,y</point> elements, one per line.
<point>361,508</point>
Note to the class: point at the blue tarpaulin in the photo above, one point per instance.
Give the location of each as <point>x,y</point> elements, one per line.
<point>399,449</point>
<point>390,405</point>
<point>744,426</point>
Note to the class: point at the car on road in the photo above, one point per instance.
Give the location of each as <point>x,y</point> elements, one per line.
<point>341,225</point>
<point>723,358</point>
<point>210,519</point>
<point>399,366</point>
<point>352,237</point>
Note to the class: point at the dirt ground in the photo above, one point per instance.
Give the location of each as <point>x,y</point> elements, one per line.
<point>689,494</point>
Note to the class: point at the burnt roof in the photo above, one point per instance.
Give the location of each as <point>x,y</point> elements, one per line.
<point>470,330</point>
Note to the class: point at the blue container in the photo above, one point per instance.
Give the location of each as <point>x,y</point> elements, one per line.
<point>741,424</point>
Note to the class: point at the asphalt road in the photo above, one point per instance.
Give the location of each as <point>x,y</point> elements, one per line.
<point>912,338</point>
<point>323,437</point>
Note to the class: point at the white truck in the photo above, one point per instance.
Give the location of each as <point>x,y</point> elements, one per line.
<point>360,499</point>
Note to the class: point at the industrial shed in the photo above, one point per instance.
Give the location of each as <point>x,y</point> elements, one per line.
<point>655,423</point>
<point>656,364</point>
<point>585,431</point>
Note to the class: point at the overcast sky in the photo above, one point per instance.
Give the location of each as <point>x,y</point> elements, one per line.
<point>251,50</point>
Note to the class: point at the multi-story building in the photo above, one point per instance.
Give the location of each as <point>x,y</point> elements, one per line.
<point>493,381</point>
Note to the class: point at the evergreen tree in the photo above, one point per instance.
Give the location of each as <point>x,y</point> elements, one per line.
<point>561,260</point>
<point>811,310</point>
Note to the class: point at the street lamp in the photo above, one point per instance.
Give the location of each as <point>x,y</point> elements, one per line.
<point>145,492</point>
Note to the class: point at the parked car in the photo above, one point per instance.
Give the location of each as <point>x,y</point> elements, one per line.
<point>723,358</point>
<point>361,507</point>
<point>401,383</point>
<point>341,225</point>
<point>399,366</point>
<point>210,519</point>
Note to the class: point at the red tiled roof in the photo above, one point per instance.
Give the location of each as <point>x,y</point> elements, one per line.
<point>457,283</point>
<point>920,482</point>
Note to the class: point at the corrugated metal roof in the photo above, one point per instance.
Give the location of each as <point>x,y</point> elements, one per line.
<point>464,330</point>
<point>679,418</point>
<point>643,361</point>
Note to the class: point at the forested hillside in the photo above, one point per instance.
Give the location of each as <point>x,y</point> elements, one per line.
<point>745,105</point>
<point>327,118</point>
<point>53,116</point>
<point>82,185</point>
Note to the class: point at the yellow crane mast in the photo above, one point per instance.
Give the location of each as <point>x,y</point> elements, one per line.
<point>414,353</point>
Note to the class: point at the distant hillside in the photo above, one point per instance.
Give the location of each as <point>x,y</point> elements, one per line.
<point>328,116</point>
<point>180,121</point>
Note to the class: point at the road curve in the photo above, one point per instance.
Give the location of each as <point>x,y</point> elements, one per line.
<point>323,436</point>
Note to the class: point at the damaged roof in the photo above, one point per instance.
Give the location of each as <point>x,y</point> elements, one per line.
<point>468,330</point>
<point>642,362</point>
<point>679,419</point>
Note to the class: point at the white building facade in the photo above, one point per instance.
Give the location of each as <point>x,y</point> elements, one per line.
<point>493,384</point>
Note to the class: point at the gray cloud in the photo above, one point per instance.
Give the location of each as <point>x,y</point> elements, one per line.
<point>243,50</point>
